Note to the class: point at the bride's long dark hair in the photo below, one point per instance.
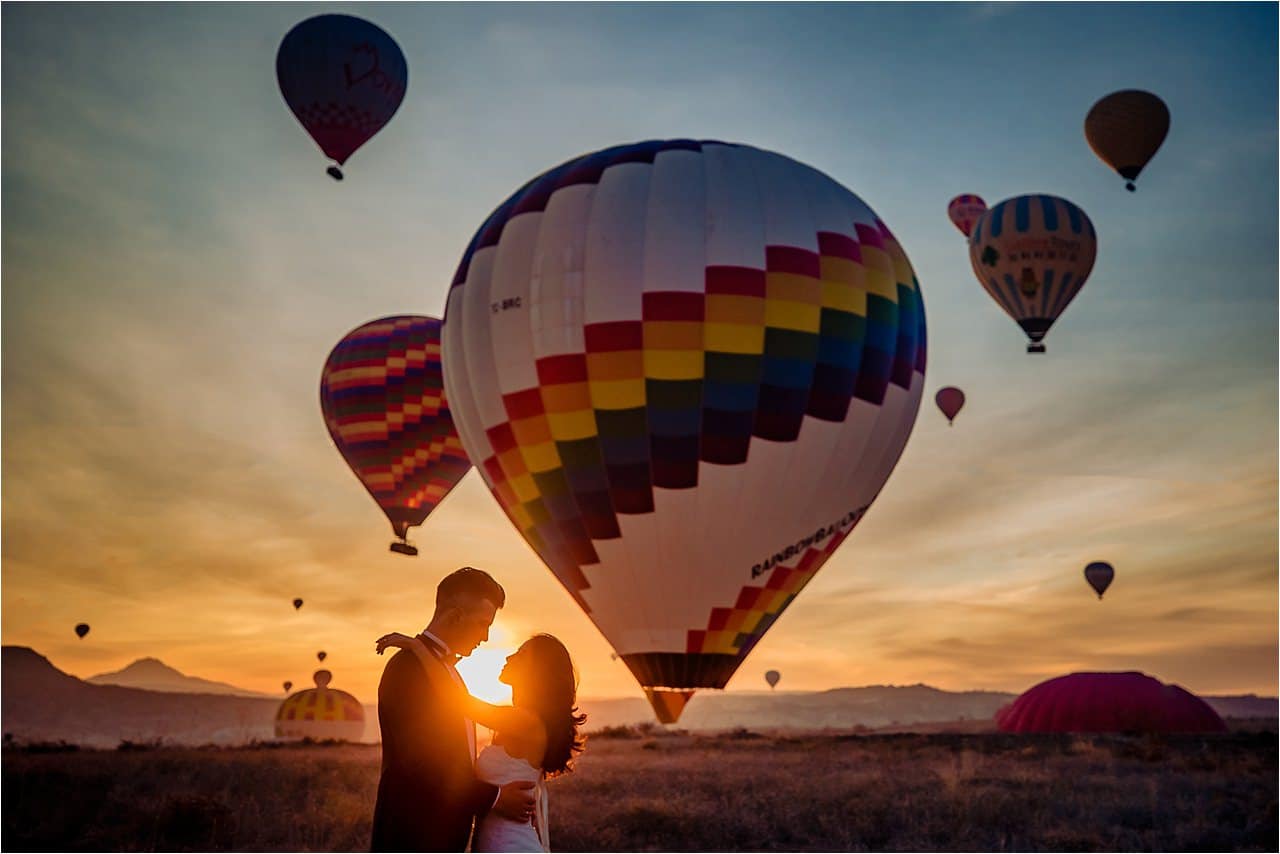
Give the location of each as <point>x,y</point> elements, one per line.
<point>552,694</point>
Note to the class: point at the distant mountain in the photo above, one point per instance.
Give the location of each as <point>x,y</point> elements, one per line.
<point>152,674</point>
<point>873,707</point>
<point>41,703</point>
<point>1245,706</point>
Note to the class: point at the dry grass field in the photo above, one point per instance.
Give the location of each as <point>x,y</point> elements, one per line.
<point>646,792</point>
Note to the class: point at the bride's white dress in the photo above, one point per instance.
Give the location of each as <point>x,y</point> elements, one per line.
<point>496,833</point>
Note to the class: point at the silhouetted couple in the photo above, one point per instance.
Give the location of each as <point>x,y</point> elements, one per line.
<point>434,789</point>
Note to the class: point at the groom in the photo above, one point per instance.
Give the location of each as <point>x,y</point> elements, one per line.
<point>428,795</point>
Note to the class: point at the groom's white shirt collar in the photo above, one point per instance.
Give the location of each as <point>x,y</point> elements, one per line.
<point>444,647</point>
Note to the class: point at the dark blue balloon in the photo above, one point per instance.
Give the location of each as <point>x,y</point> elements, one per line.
<point>344,79</point>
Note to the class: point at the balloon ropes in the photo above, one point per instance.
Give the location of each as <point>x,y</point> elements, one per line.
<point>1032,254</point>
<point>652,348</point>
<point>382,395</point>
<point>344,79</point>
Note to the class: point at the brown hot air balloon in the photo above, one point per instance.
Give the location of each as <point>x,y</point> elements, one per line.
<point>287,686</point>
<point>322,655</point>
<point>950,400</point>
<point>297,603</point>
<point>1125,129</point>
<point>82,629</point>
<point>1099,575</point>
<point>772,677</point>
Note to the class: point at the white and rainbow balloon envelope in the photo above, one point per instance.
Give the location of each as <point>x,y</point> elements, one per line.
<point>685,369</point>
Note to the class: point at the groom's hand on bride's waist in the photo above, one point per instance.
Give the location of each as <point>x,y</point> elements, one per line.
<point>515,801</point>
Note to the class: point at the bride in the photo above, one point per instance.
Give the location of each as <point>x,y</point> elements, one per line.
<point>535,738</point>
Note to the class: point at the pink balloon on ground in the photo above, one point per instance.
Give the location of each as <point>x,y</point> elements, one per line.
<point>1108,702</point>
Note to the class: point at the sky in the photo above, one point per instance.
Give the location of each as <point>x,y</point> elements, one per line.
<point>176,267</point>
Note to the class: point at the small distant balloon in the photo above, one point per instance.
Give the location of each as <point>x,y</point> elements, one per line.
<point>322,655</point>
<point>964,211</point>
<point>613,656</point>
<point>772,677</point>
<point>950,400</point>
<point>297,603</point>
<point>344,79</point>
<point>287,686</point>
<point>82,629</point>
<point>1125,129</point>
<point>1099,576</point>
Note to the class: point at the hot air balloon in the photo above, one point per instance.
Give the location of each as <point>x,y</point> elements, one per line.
<point>297,603</point>
<point>82,629</point>
<point>964,211</point>
<point>382,395</point>
<point>344,78</point>
<point>772,677</point>
<point>322,655</point>
<point>684,369</point>
<point>1108,702</point>
<point>1125,129</point>
<point>613,656</point>
<point>287,686</point>
<point>321,713</point>
<point>1032,254</point>
<point>1099,576</point>
<point>950,400</point>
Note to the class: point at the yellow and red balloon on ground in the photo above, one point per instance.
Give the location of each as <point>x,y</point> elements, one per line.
<point>344,78</point>
<point>1032,254</point>
<point>685,370</point>
<point>1126,129</point>
<point>382,395</point>
<point>964,210</point>
<point>320,713</point>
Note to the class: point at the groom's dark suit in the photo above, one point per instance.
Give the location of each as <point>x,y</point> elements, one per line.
<point>428,794</point>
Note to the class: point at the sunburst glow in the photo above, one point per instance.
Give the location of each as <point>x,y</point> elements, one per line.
<point>480,669</point>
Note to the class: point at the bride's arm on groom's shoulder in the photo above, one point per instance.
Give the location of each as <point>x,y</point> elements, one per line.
<point>509,720</point>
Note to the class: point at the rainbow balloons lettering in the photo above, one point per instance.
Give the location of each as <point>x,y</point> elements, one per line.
<point>685,370</point>
<point>344,79</point>
<point>382,395</point>
<point>1032,254</point>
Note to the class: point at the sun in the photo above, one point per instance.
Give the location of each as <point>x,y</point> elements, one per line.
<point>480,671</point>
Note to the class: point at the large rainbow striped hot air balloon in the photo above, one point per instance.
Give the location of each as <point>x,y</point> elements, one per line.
<point>321,713</point>
<point>1032,254</point>
<point>382,394</point>
<point>685,369</point>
